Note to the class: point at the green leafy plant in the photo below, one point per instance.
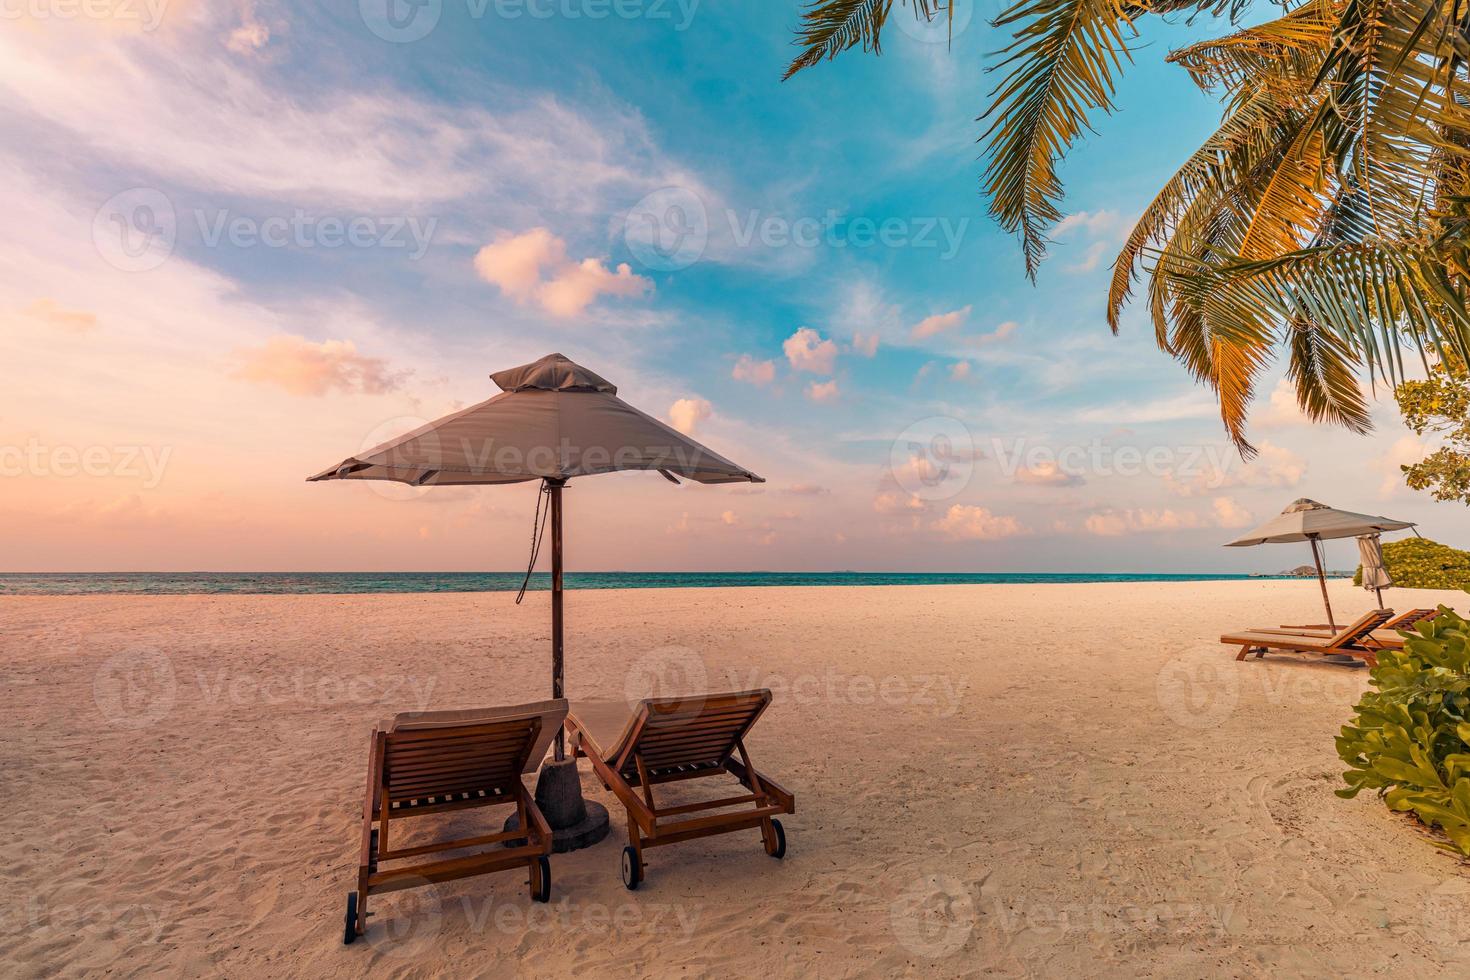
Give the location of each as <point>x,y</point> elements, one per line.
<point>1440,404</point>
<point>1410,739</point>
<point>1419,563</point>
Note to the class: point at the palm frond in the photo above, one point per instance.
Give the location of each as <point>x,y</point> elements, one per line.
<point>830,27</point>
<point>1060,68</point>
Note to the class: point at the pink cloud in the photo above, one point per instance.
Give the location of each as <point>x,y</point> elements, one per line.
<point>940,323</point>
<point>896,501</point>
<point>1111,523</point>
<point>967,522</point>
<point>1047,474</point>
<point>960,371</point>
<point>865,344</point>
<point>304,368</point>
<point>533,268</point>
<point>825,391</point>
<point>686,414</point>
<point>807,351</point>
<point>751,371</point>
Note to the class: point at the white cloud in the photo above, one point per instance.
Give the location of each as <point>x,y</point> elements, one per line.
<point>1090,223</point>
<point>967,522</point>
<point>940,323</point>
<point>823,391</point>
<point>686,414</point>
<point>808,351</point>
<point>1111,522</point>
<point>533,267</point>
<point>1091,258</point>
<point>1190,406</point>
<point>1274,468</point>
<point>1000,333</point>
<point>1405,451</point>
<point>1281,409</point>
<point>751,371</point>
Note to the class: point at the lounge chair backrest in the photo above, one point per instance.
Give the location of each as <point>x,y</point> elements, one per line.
<point>1365,625</point>
<point>694,732</point>
<point>1410,619</point>
<point>447,753</point>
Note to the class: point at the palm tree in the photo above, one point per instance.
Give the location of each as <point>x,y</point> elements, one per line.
<point>1327,219</point>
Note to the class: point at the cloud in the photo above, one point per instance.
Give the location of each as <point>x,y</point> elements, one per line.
<point>939,323</point>
<point>1406,451</point>
<point>896,501</point>
<point>304,368</point>
<point>533,267</point>
<point>1190,406</point>
<point>959,371</point>
<point>1000,333</point>
<point>1281,409</point>
<point>251,35</point>
<point>729,518</point>
<point>1047,473</point>
<point>865,344</point>
<point>1229,513</point>
<point>46,311</point>
<point>1090,258</point>
<point>807,490</point>
<point>1274,468</point>
<point>1111,523</point>
<point>751,371</point>
<point>807,351</point>
<point>824,391</point>
<point>967,522</point>
<point>1093,224</point>
<point>686,414</point>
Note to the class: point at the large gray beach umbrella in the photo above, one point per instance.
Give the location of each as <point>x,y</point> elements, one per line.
<point>1307,520</point>
<point>553,420</point>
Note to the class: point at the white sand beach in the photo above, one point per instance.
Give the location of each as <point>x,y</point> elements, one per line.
<point>1057,780</point>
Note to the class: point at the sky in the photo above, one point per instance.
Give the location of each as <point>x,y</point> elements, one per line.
<point>248,239</point>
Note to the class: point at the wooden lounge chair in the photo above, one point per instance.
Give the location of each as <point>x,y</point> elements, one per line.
<point>443,761</point>
<point>669,739</point>
<point>1386,637</point>
<point>1347,641</point>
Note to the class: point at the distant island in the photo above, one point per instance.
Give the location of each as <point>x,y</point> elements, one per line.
<point>1304,571</point>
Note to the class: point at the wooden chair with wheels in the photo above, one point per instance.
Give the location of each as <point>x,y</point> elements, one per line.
<point>438,762</point>
<point>674,739</point>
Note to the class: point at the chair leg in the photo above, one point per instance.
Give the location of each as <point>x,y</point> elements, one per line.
<point>1243,651</point>
<point>636,842</point>
<point>362,900</point>
<point>768,836</point>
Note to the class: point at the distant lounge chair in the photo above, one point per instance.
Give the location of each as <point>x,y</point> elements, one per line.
<point>1386,637</point>
<point>442,761</point>
<point>669,739</point>
<point>1346,641</point>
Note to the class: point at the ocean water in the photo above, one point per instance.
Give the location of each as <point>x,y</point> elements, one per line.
<point>355,583</point>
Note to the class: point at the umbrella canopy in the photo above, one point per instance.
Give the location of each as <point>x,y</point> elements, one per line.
<point>1375,575</point>
<point>1306,520</point>
<point>553,420</point>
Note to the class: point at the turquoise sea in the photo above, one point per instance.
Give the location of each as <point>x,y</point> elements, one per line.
<point>301,583</point>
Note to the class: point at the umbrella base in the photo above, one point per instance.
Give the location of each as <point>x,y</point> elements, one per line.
<point>575,823</point>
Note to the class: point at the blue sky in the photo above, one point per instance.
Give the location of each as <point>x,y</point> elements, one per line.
<point>493,167</point>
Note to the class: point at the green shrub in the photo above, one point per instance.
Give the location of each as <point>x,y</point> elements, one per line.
<point>1410,740</point>
<point>1418,563</point>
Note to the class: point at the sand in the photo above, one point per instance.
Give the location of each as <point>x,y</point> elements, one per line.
<point>1054,780</point>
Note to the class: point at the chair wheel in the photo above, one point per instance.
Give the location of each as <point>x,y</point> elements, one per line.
<point>350,933</point>
<point>780,850</point>
<point>543,894</point>
<point>632,873</point>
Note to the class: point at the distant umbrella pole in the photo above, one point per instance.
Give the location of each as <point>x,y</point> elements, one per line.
<point>1322,578</point>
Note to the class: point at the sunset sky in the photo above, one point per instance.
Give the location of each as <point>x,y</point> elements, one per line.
<point>248,240</point>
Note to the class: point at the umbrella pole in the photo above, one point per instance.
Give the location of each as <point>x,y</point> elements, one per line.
<point>554,488</point>
<point>1322,581</point>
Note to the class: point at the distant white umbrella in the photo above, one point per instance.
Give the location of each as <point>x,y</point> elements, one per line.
<point>1375,574</point>
<point>1308,520</point>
